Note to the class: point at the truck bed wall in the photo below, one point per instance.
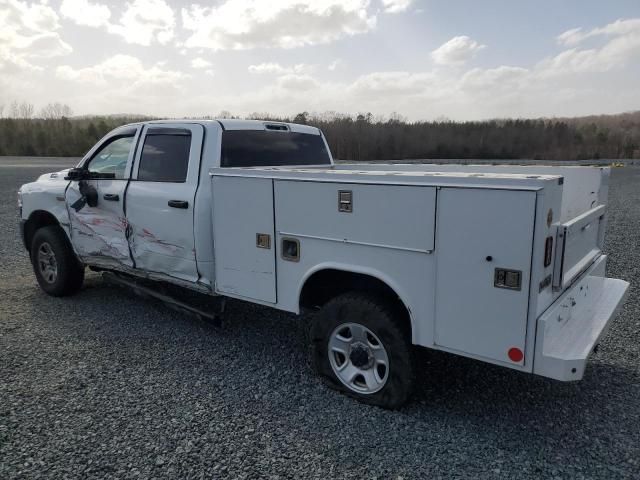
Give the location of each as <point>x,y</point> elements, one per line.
<point>436,247</point>
<point>583,188</point>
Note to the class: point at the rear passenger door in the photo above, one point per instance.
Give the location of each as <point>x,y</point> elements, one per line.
<point>159,200</point>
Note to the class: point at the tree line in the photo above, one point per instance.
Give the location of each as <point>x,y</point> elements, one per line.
<point>53,131</point>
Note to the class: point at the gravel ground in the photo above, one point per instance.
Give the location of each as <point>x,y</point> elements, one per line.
<point>107,385</point>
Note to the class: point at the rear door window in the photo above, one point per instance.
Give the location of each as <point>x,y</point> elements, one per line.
<point>165,156</point>
<point>259,148</point>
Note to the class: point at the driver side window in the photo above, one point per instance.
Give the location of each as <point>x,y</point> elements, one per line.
<point>111,160</point>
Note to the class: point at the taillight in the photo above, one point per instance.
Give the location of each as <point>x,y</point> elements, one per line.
<point>548,251</point>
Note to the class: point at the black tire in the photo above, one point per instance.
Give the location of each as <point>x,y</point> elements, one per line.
<point>381,319</point>
<point>69,272</point>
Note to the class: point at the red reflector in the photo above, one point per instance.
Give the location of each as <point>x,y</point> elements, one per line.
<point>515,354</point>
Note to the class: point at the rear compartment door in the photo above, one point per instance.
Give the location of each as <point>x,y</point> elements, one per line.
<point>481,236</point>
<point>243,237</point>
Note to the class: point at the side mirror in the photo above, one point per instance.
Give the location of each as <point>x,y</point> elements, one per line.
<point>77,174</point>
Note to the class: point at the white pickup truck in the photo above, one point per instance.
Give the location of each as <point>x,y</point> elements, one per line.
<point>502,264</point>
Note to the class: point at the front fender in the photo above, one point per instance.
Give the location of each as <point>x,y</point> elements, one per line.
<point>46,196</point>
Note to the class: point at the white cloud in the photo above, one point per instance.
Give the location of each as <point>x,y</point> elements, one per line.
<point>247,24</point>
<point>146,21</point>
<point>11,64</point>
<point>200,63</point>
<point>276,68</point>
<point>28,32</point>
<point>122,84</point>
<point>120,69</point>
<point>30,17</point>
<point>456,51</point>
<point>619,27</point>
<point>43,45</point>
<point>86,13</point>
<point>143,21</point>
<point>502,76</point>
<point>570,37</point>
<point>294,78</point>
<point>396,6</point>
<point>297,83</point>
<point>621,48</point>
<point>333,66</point>
<point>385,83</point>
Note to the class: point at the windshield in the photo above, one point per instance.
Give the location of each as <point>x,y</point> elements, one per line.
<point>259,148</point>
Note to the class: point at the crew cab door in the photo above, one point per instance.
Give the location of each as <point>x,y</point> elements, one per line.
<point>95,204</point>
<point>159,200</point>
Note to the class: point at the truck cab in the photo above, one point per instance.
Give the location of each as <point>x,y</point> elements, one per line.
<point>502,264</point>
<point>141,198</point>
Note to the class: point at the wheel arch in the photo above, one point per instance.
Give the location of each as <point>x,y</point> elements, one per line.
<point>37,219</point>
<point>326,281</point>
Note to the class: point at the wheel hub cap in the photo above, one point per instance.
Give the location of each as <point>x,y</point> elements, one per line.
<point>361,356</point>
<point>358,358</point>
<point>47,263</point>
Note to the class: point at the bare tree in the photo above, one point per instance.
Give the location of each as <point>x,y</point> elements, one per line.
<point>262,116</point>
<point>13,110</point>
<point>25,110</point>
<point>396,118</point>
<point>1,109</point>
<point>55,110</point>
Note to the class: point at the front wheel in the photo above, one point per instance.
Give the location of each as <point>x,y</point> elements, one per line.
<point>360,348</point>
<point>55,265</point>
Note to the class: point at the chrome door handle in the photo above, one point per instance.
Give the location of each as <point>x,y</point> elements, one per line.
<point>112,197</point>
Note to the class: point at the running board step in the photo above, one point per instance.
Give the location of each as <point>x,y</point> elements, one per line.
<point>146,292</point>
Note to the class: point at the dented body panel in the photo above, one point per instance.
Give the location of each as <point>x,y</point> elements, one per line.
<point>100,230</point>
<point>162,238</point>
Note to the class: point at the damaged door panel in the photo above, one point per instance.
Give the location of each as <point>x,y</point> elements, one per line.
<point>160,197</point>
<point>95,203</point>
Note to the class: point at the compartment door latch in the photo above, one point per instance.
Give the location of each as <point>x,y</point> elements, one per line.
<point>263,240</point>
<point>345,201</point>
<point>509,279</point>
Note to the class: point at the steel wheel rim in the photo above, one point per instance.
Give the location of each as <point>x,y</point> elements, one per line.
<point>47,263</point>
<point>358,358</point>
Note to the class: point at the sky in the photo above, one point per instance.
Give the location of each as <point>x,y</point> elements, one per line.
<point>421,59</point>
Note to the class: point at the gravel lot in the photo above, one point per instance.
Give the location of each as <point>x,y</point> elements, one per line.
<point>107,385</point>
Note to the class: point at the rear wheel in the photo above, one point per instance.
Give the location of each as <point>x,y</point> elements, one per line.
<point>55,265</point>
<point>360,348</point>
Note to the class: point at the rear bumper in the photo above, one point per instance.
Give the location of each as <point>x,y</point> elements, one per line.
<point>573,325</point>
